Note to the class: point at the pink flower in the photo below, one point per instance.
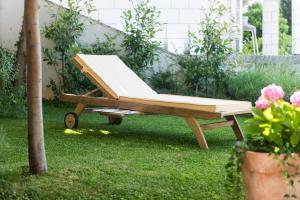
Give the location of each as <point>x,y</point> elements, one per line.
<point>262,103</point>
<point>295,98</point>
<point>272,92</point>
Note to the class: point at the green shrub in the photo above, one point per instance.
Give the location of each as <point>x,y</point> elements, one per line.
<point>12,99</point>
<point>108,47</point>
<point>140,46</point>
<point>167,82</point>
<point>206,71</point>
<point>246,85</point>
<point>285,44</point>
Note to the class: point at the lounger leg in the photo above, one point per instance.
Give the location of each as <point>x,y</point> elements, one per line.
<point>114,120</point>
<point>236,127</point>
<point>195,126</point>
<point>79,109</point>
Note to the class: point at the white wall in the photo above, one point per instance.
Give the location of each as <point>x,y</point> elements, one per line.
<point>270,27</point>
<point>177,17</point>
<point>11,21</point>
<point>11,13</point>
<point>11,16</point>
<point>296,26</point>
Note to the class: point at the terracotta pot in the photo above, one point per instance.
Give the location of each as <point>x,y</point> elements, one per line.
<point>263,179</point>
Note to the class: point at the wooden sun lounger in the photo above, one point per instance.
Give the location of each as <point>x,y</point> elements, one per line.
<point>126,94</point>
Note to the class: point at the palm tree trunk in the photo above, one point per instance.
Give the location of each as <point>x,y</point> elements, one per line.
<point>37,155</point>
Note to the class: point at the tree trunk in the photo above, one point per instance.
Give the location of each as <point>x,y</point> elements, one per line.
<point>36,149</point>
<point>21,58</point>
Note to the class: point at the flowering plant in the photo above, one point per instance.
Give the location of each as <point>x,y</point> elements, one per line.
<point>275,121</point>
<point>275,129</point>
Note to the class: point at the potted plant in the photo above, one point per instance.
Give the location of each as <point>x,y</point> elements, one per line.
<point>268,159</point>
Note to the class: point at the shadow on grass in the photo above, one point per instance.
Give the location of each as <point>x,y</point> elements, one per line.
<point>150,136</point>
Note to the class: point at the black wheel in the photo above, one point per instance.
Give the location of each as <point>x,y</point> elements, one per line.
<point>114,120</point>
<point>71,120</point>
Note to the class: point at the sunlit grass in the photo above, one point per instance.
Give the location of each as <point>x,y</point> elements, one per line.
<point>85,131</point>
<point>146,157</point>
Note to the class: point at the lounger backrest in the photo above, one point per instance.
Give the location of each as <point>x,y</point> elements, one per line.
<point>112,76</point>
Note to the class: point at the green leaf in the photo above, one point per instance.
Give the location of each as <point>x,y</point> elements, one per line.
<point>258,114</point>
<point>276,138</point>
<point>265,125</point>
<point>268,114</point>
<point>253,128</point>
<point>250,121</point>
<point>294,139</point>
<point>266,132</point>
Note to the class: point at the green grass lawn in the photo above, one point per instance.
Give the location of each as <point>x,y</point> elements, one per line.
<point>147,157</point>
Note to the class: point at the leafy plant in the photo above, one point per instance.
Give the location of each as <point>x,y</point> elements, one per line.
<point>166,82</point>
<point>205,68</point>
<point>140,46</point>
<point>244,85</point>
<point>108,47</point>
<point>285,41</point>
<point>12,98</point>
<point>64,32</point>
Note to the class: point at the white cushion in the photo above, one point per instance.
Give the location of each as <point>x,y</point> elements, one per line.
<point>118,78</point>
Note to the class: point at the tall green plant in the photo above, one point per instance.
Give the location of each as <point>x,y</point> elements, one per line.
<point>205,67</point>
<point>246,84</point>
<point>141,25</point>
<point>65,32</point>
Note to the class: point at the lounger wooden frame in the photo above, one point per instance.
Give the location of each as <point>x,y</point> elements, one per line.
<point>111,101</point>
<point>190,116</point>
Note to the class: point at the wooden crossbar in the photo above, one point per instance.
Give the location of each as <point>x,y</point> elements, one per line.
<point>217,125</point>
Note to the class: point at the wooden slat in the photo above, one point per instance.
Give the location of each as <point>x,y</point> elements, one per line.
<point>216,125</point>
<point>107,102</point>
<point>91,92</point>
<point>192,103</point>
<point>98,101</point>
<point>168,110</point>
